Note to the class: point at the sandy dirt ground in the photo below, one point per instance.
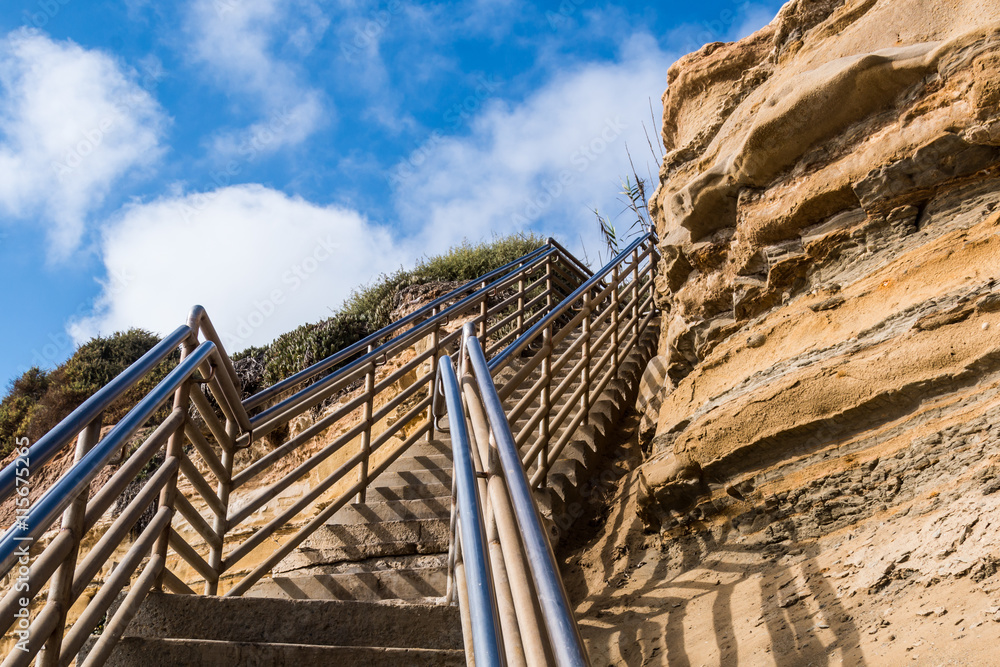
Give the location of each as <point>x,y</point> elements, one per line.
<point>905,586</point>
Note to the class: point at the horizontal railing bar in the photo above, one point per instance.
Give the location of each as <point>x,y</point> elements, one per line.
<point>116,625</point>
<point>201,485</point>
<point>573,403</point>
<point>266,461</point>
<point>582,269</point>
<point>321,518</point>
<point>573,375</point>
<point>128,470</point>
<point>58,497</point>
<point>211,420</point>
<point>263,568</point>
<point>539,281</point>
<point>401,397</point>
<point>55,440</point>
<point>304,468</point>
<point>190,556</point>
<point>501,359</point>
<point>175,584</point>
<point>198,318</point>
<point>396,453</point>
<point>41,628</point>
<point>117,580</point>
<point>391,379</point>
<point>500,344</point>
<point>268,529</point>
<point>511,385</point>
<point>525,262</point>
<point>205,451</point>
<point>310,397</point>
<point>39,573</point>
<point>408,417</point>
<point>197,521</point>
<point>112,538</point>
<point>400,342</point>
<point>525,401</point>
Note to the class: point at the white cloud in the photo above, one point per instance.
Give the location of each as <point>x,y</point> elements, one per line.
<point>239,41</point>
<point>73,123</point>
<point>544,163</point>
<point>261,263</point>
<point>752,18</point>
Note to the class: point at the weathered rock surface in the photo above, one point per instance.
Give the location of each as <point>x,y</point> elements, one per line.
<point>822,485</point>
<point>831,245</point>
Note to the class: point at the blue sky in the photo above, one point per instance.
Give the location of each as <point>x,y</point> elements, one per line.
<point>264,157</point>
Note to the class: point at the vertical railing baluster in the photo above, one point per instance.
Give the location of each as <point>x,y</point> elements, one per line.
<point>545,407</point>
<point>635,291</point>
<point>615,300</point>
<point>520,307</point>
<point>436,346</point>
<point>548,284</point>
<point>61,585</point>
<point>366,435</point>
<point>220,525</point>
<point>483,307</point>
<point>587,355</point>
<point>175,448</point>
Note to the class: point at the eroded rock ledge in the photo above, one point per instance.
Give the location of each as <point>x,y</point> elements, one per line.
<point>829,215</point>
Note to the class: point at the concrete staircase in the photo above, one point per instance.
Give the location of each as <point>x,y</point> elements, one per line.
<point>393,546</point>
<point>366,588</point>
<point>212,631</point>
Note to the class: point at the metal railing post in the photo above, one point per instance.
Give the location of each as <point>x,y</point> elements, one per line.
<point>615,315</point>
<point>61,586</point>
<point>436,346</point>
<point>587,356</point>
<point>548,284</point>
<point>175,448</point>
<point>545,403</point>
<point>483,313</point>
<point>635,292</point>
<point>223,489</point>
<point>520,307</point>
<point>366,435</point>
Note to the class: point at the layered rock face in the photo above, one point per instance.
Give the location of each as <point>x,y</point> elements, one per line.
<point>829,215</point>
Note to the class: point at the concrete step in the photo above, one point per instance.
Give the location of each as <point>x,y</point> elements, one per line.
<point>439,447</point>
<point>381,491</point>
<point>393,510</point>
<point>420,462</point>
<point>308,622</point>
<point>413,477</point>
<point>393,584</point>
<point>333,543</point>
<point>138,652</point>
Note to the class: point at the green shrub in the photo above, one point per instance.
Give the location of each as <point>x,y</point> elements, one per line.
<point>38,400</point>
<point>370,308</point>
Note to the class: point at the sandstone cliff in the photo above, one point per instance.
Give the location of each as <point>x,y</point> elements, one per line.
<point>826,215</point>
<point>829,367</point>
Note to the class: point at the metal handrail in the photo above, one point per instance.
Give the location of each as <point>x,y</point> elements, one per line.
<point>390,346</point>
<point>56,440</point>
<point>47,508</point>
<point>564,634</point>
<point>347,352</point>
<point>482,599</point>
<point>518,345</point>
<point>581,268</point>
<point>202,451</point>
